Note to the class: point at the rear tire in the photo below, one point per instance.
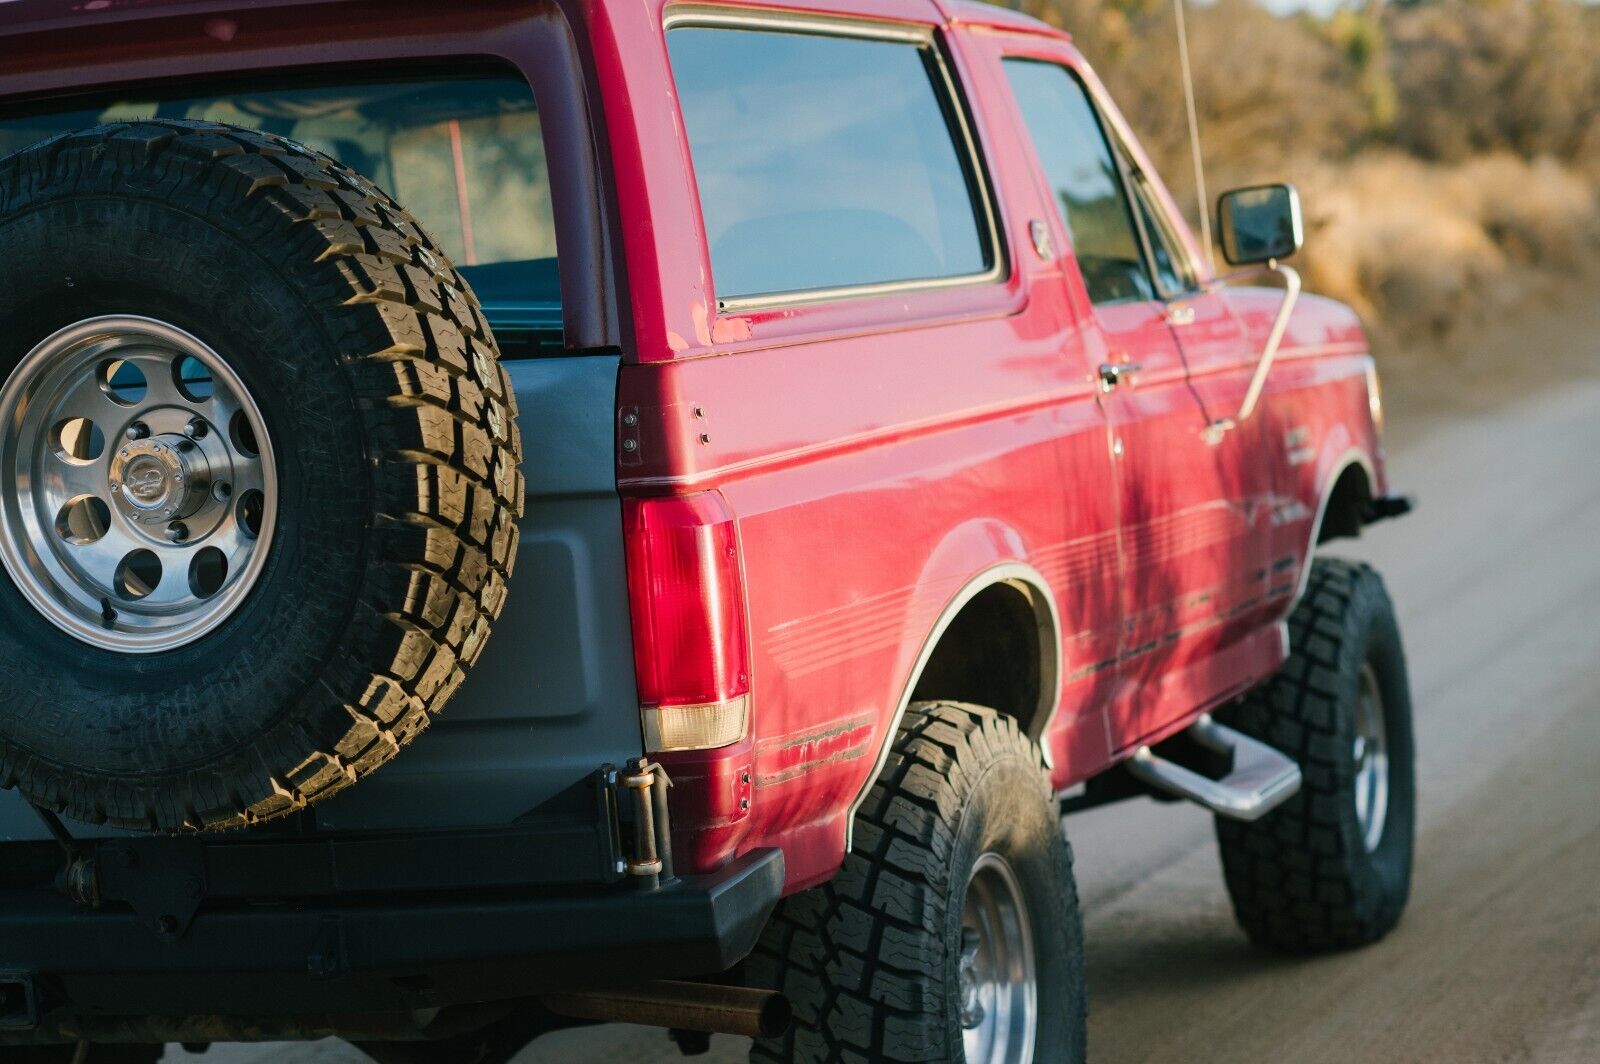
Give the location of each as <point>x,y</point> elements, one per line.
<point>890,960</point>
<point>1331,868</point>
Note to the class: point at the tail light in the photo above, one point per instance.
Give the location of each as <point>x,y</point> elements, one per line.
<point>689,643</point>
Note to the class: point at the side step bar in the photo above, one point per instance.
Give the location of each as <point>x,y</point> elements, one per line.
<point>1261,780</point>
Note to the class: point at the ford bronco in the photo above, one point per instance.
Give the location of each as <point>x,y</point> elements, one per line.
<point>856,458</point>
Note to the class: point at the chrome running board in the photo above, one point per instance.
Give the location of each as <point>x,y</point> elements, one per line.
<point>1262,778</point>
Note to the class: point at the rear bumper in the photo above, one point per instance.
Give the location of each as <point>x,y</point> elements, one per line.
<point>370,955</point>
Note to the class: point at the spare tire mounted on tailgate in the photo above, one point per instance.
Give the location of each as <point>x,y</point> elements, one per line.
<point>260,483</point>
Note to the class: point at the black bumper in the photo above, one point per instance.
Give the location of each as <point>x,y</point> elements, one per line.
<point>381,955</point>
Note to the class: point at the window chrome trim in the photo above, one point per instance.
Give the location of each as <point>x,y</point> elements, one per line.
<point>717,16</point>
<point>959,125</point>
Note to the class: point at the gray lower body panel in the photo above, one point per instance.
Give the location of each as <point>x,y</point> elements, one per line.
<point>553,696</point>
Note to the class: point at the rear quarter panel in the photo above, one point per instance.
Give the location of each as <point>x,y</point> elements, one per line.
<point>879,454</point>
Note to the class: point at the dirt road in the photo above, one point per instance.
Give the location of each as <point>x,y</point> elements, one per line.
<point>1497,578</point>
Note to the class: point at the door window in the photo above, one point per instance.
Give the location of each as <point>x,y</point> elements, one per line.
<point>1170,266</point>
<point>1084,176</point>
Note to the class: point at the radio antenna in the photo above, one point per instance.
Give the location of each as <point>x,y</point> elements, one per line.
<point>1194,135</point>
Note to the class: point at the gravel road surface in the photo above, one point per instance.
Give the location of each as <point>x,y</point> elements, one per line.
<point>1497,579</point>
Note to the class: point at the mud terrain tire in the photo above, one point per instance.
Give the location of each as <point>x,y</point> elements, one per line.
<point>397,484</point>
<point>1312,875</point>
<point>871,961</point>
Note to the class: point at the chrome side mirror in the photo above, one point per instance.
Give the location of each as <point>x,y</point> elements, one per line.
<point>1260,224</point>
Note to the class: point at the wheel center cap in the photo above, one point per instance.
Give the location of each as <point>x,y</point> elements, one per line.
<point>159,480</point>
<point>147,480</point>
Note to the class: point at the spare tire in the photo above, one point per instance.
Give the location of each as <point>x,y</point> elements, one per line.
<point>258,476</point>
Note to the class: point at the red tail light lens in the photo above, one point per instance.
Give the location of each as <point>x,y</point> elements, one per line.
<point>690,649</point>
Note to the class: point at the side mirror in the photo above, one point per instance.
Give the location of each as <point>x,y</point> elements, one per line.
<point>1261,223</point>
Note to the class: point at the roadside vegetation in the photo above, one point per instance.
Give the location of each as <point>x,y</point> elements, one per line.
<point>1448,152</point>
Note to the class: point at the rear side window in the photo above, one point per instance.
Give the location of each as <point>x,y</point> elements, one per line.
<point>464,155</point>
<point>826,162</point>
<point>1083,174</point>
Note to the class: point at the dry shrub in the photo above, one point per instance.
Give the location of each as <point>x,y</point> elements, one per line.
<point>1420,248</point>
<point>1539,213</point>
<point>1447,152</point>
<point>1265,87</point>
<point>1496,75</point>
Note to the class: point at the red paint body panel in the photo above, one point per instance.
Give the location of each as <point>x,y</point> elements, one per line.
<point>883,456</point>
<point>883,453</point>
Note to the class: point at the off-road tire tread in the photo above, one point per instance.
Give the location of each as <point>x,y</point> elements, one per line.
<point>854,955</point>
<point>441,439</point>
<point>1290,874</point>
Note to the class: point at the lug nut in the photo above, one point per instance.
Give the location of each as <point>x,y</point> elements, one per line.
<point>221,491</point>
<point>177,531</point>
<point>197,429</point>
<point>137,431</point>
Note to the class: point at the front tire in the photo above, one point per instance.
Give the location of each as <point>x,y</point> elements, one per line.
<point>1331,868</point>
<point>952,933</point>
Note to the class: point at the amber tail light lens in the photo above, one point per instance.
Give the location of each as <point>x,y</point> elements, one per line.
<point>690,649</point>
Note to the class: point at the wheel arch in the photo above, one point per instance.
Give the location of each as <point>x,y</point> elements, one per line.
<point>1347,476</point>
<point>1344,501</point>
<point>1014,597</point>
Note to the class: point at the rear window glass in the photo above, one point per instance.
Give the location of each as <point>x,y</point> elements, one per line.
<point>465,156</point>
<point>824,162</point>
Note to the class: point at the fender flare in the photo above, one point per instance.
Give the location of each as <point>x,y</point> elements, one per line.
<point>1353,456</point>
<point>1024,578</point>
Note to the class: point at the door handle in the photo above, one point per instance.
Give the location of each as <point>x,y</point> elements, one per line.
<point>1111,373</point>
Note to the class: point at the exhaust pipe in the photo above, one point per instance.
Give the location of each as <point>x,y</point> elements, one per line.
<point>707,1007</point>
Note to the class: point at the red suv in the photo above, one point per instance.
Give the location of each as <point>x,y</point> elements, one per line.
<point>854,454</point>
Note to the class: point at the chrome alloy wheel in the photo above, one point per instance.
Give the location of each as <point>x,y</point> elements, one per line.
<point>999,986</point>
<point>1371,760</point>
<point>139,486</point>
